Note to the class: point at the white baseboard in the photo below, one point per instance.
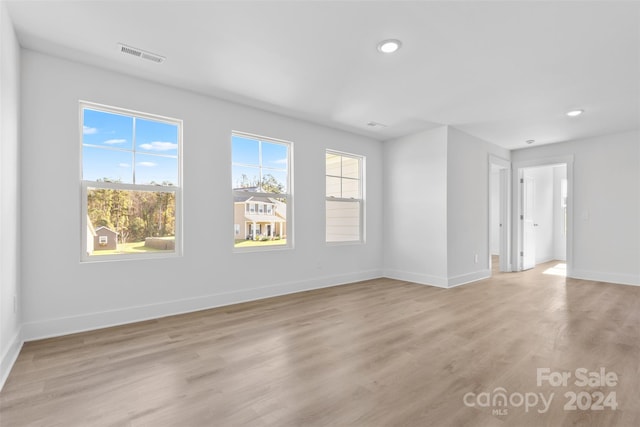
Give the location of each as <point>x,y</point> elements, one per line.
<point>621,279</point>
<point>9,357</point>
<point>468,278</point>
<point>91,321</point>
<point>419,278</point>
<point>546,259</point>
<point>440,282</point>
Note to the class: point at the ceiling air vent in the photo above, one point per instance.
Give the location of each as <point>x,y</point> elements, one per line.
<point>141,53</point>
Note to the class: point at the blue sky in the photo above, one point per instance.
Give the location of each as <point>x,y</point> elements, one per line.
<point>108,150</point>
<point>252,157</point>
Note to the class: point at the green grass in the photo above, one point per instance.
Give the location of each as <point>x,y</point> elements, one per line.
<point>250,243</point>
<point>130,248</point>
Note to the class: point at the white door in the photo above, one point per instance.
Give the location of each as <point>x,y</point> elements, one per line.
<point>528,236</point>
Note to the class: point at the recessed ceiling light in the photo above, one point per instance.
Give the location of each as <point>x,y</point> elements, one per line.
<point>574,113</point>
<point>389,46</point>
<point>530,141</point>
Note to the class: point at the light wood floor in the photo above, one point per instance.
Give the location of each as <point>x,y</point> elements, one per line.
<point>375,353</point>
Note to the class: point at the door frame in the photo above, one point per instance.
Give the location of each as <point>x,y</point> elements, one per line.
<point>528,186</point>
<point>504,197</point>
<point>518,195</point>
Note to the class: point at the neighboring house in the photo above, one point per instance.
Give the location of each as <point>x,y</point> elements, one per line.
<point>256,217</point>
<point>105,239</point>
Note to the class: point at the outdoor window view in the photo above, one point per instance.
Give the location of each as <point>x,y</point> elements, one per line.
<point>260,182</point>
<point>343,197</point>
<point>130,182</point>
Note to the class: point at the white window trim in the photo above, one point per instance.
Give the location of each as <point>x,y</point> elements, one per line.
<point>361,200</point>
<point>84,184</point>
<point>287,196</point>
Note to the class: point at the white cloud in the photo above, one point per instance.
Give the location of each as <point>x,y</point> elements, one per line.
<point>89,130</point>
<point>159,146</point>
<point>115,141</point>
<point>147,164</point>
<point>124,165</point>
<point>281,161</point>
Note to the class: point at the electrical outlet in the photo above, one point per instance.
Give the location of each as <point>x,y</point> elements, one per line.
<point>475,258</point>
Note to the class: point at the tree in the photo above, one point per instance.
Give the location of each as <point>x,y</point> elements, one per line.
<point>136,229</point>
<point>133,214</point>
<point>271,185</point>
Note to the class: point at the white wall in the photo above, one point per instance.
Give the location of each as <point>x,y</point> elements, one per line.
<point>436,207</point>
<point>468,206</point>
<point>63,295</point>
<point>10,335</point>
<point>415,208</point>
<point>606,204</point>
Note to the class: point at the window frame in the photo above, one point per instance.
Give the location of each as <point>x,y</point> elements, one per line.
<point>254,206</point>
<point>361,201</point>
<point>86,184</point>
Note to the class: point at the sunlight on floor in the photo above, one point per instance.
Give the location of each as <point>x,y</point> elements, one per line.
<point>557,270</point>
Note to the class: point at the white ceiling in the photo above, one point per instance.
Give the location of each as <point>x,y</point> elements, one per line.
<point>503,71</point>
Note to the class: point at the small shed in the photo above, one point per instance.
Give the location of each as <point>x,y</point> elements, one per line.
<point>105,239</point>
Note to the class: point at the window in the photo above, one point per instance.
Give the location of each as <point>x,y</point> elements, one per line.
<point>344,197</point>
<point>261,185</point>
<point>130,183</point>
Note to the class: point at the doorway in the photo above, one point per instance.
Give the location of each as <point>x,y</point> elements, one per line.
<point>499,218</point>
<point>543,212</point>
